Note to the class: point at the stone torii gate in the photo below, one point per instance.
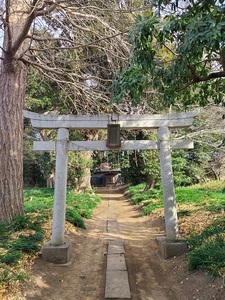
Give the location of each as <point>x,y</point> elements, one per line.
<point>58,249</point>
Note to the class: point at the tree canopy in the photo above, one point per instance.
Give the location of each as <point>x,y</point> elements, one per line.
<point>177,54</point>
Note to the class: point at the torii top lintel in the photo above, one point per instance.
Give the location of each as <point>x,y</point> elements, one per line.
<point>154,121</point>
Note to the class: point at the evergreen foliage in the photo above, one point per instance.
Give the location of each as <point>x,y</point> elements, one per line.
<point>180,54</point>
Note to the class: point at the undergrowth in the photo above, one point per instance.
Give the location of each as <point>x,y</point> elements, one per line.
<point>23,238</point>
<point>206,249</point>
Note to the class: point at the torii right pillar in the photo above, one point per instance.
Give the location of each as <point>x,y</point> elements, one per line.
<point>169,246</point>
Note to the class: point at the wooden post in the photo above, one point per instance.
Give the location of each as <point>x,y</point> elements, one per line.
<point>170,211</point>
<point>59,211</point>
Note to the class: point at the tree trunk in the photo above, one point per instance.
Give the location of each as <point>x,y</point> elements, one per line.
<point>11,138</point>
<point>86,180</point>
<point>150,183</point>
<point>12,90</point>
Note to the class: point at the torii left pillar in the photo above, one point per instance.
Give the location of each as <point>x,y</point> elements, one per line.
<point>58,250</point>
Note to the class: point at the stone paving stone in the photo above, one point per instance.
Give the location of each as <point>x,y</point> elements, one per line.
<point>117,285</point>
<point>114,248</point>
<point>116,262</point>
<point>112,226</point>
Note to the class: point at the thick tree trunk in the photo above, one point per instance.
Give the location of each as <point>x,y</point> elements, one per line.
<point>12,90</point>
<point>12,86</point>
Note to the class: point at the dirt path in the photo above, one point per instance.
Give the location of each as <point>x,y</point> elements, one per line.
<point>150,277</point>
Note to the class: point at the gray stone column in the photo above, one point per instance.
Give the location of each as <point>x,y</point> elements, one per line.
<point>58,226</point>
<point>170,210</point>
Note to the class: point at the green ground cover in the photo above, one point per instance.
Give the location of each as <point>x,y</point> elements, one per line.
<point>22,239</point>
<point>207,247</point>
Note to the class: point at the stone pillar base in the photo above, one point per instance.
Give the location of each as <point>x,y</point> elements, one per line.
<point>168,248</point>
<point>57,254</point>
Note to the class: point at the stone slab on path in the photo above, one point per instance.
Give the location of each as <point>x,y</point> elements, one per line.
<point>116,262</point>
<point>117,285</point>
<point>115,247</point>
<point>112,226</point>
<point>117,282</point>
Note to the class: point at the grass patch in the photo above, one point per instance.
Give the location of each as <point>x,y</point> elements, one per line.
<point>150,194</point>
<point>23,238</point>
<point>206,246</point>
<point>19,241</point>
<point>135,189</point>
<point>213,185</point>
<point>148,200</point>
<point>200,196</point>
<point>79,206</point>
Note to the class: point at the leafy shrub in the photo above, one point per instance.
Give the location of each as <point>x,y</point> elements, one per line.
<point>74,218</point>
